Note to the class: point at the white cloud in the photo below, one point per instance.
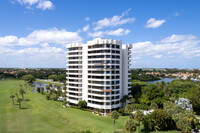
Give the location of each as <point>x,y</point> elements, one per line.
<point>112,22</point>
<point>153,23</point>
<point>188,47</point>
<point>177,38</point>
<point>86,28</point>
<point>118,32</point>
<point>40,48</point>
<point>40,4</point>
<point>157,56</point>
<point>45,5</point>
<point>53,36</point>
<point>45,56</point>
<point>87,19</point>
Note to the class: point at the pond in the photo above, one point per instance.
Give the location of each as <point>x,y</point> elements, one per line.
<point>38,84</point>
<point>160,80</point>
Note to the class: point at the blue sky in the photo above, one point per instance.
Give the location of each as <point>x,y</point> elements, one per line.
<point>164,33</point>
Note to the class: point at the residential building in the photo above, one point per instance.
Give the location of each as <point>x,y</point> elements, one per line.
<point>98,72</point>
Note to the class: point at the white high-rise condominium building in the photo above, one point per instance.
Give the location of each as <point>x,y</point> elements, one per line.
<point>98,72</point>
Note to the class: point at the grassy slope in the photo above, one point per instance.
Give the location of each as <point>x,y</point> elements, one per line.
<point>40,115</point>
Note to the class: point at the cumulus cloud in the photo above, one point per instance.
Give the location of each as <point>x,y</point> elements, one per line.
<point>86,28</point>
<point>112,22</point>
<point>177,38</point>
<point>40,4</point>
<point>55,36</point>
<point>186,46</point>
<point>153,23</point>
<point>45,56</point>
<point>118,32</point>
<point>41,48</point>
<point>45,5</point>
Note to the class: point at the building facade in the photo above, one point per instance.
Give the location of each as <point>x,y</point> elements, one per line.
<point>98,72</point>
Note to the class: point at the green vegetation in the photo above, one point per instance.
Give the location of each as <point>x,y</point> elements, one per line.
<point>40,115</point>
<point>139,74</point>
<point>114,115</point>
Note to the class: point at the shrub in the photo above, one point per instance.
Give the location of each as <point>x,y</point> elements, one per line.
<point>38,89</point>
<point>54,97</point>
<point>48,97</point>
<point>140,107</point>
<point>130,126</point>
<point>158,120</point>
<point>121,111</point>
<point>82,104</point>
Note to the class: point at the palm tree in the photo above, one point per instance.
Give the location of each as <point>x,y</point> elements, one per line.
<point>19,100</point>
<point>22,92</point>
<point>132,100</point>
<point>130,126</point>
<point>139,117</point>
<point>114,116</point>
<point>42,90</point>
<point>12,96</point>
<point>20,86</point>
<point>25,86</point>
<point>123,100</point>
<point>50,85</point>
<point>16,94</point>
<point>47,88</point>
<point>129,109</point>
<point>64,88</point>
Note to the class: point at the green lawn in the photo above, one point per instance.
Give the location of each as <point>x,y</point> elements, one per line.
<point>40,115</point>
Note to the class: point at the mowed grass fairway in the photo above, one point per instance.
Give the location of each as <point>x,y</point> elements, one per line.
<point>39,115</point>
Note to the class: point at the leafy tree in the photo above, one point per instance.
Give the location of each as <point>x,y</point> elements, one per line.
<point>129,109</point>
<point>38,89</point>
<point>154,94</point>
<point>82,104</point>
<point>121,110</point>
<point>29,78</point>
<point>139,117</point>
<point>154,106</point>
<point>132,100</point>
<point>114,116</point>
<point>61,77</point>
<point>20,74</point>
<point>22,92</point>
<point>124,99</point>
<point>12,96</point>
<point>19,100</point>
<point>54,77</point>
<point>130,126</point>
<point>144,99</point>
<point>158,120</point>
<point>136,89</point>
<point>140,106</point>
